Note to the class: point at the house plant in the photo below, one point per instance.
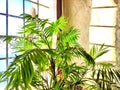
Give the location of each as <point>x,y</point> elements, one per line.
<point>44,51</point>
<point>104,75</point>
<point>37,55</point>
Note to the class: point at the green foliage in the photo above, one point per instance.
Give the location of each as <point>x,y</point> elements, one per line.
<point>34,44</point>
<point>96,51</point>
<point>104,75</point>
<point>40,66</point>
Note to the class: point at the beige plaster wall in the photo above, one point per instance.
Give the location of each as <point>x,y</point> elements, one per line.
<point>78,14</point>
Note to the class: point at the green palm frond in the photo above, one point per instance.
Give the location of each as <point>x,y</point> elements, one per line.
<point>97,51</point>
<point>22,69</point>
<point>59,25</point>
<point>26,16</point>
<point>55,27</point>
<point>88,59</point>
<point>106,76</point>
<point>70,37</point>
<point>0,76</point>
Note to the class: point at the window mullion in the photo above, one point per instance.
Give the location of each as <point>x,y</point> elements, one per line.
<point>6,33</point>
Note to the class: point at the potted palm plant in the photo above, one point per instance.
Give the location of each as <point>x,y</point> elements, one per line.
<point>44,51</point>
<point>43,62</point>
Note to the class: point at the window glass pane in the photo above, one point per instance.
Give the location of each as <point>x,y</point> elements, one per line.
<point>11,50</point>
<point>10,61</point>
<point>105,16</point>
<point>14,25</point>
<point>102,35</point>
<point>50,12</point>
<point>2,25</point>
<point>34,0</point>
<point>3,49</point>
<point>48,3</point>
<point>15,7</point>
<point>52,15</point>
<point>2,6</point>
<point>2,65</point>
<point>44,12</point>
<point>29,6</point>
<point>108,57</point>
<point>2,85</point>
<point>97,3</point>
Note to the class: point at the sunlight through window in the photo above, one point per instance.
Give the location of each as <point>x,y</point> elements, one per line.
<point>103,26</point>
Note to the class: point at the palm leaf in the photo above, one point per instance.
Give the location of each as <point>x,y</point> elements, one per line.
<point>70,37</point>
<point>105,75</point>
<point>23,65</point>
<point>96,51</point>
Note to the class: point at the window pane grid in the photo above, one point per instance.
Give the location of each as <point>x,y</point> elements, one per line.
<point>10,22</point>
<point>103,27</point>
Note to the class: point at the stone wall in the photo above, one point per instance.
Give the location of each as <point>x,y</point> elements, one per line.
<point>78,14</point>
<point>117,43</point>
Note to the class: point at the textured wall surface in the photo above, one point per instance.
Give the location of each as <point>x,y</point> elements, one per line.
<point>78,14</point>
<point>118,36</point>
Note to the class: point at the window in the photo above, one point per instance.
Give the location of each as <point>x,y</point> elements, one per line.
<point>10,23</point>
<point>103,27</point>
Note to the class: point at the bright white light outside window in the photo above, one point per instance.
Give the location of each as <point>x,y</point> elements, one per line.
<point>44,12</point>
<point>49,11</point>
<point>98,3</point>
<point>100,32</point>
<point>2,25</point>
<point>104,16</point>
<point>102,35</point>
<point>2,49</point>
<point>48,3</point>
<point>14,25</point>
<point>2,6</point>
<point>15,7</point>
